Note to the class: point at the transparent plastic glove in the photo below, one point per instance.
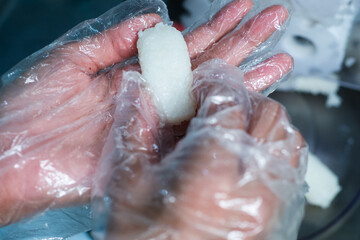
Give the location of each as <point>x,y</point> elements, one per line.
<point>57,106</point>
<point>56,109</point>
<point>237,174</point>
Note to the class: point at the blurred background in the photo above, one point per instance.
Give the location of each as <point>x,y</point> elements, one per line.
<point>322,96</point>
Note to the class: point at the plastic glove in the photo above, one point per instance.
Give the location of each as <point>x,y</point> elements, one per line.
<point>237,174</point>
<point>57,105</point>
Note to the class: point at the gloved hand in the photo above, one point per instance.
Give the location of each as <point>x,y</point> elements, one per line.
<point>57,106</point>
<point>237,174</point>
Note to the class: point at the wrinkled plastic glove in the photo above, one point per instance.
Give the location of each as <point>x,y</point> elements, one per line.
<point>237,174</point>
<point>57,106</point>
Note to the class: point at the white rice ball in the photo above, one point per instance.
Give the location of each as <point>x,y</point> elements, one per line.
<point>166,67</point>
<point>323,183</point>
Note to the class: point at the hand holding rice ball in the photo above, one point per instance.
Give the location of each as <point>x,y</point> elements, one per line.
<point>194,192</point>
<point>97,128</point>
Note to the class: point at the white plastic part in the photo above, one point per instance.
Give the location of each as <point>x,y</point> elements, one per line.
<point>323,183</point>
<point>318,33</point>
<point>166,67</point>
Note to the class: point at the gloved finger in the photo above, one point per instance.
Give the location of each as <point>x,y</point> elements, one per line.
<point>109,47</point>
<point>268,72</point>
<point>267,118</point>
<point>220,24</point>
<point>76,63</point>
<point>270,123</point>
<point>236,46</point>
<point>71,63</point>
